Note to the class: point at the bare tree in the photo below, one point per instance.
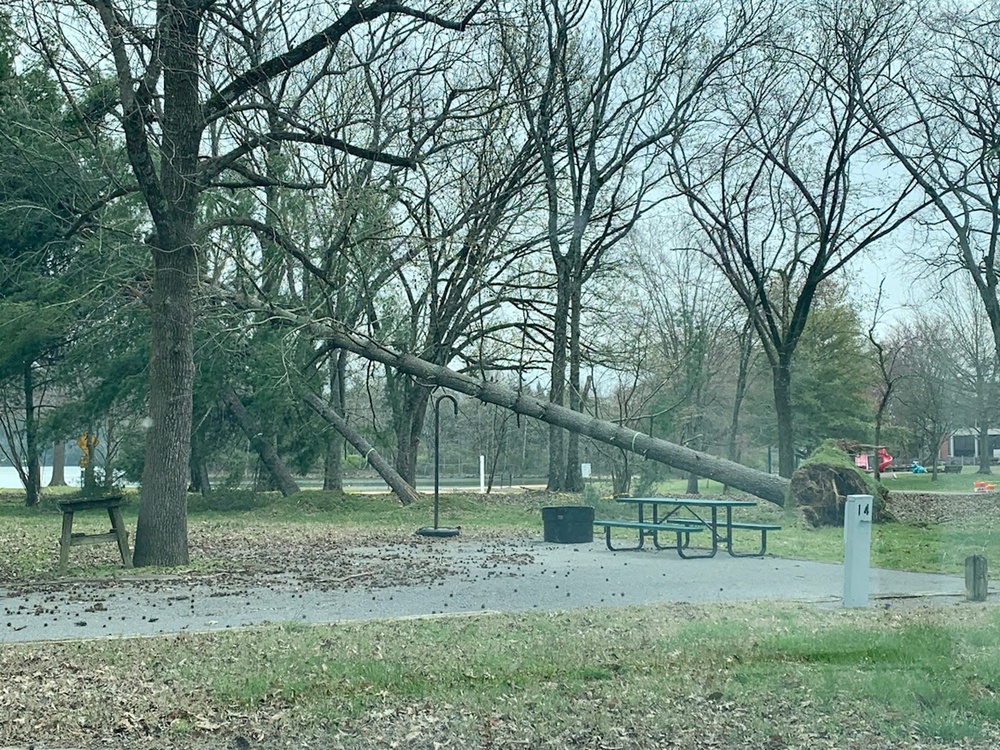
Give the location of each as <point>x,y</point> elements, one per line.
<point>928,399</point>
<point>937,111</point>
<point>966,337</point>
<point>780,178</point>
<point>462,231</point>
<point>690,315</point>
<point>602,87</point>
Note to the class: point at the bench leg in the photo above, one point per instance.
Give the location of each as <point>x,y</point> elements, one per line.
<point>118,524</point>
<point>607,540</point>
<point>758,553</point>
<point>64,541</point>
<point>683,541</point>
<point>688,556</point>
<point>684,550</point>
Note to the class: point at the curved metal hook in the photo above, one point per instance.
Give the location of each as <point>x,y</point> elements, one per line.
<point>439,399</point>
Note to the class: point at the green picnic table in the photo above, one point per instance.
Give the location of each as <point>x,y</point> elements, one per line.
<point>682,516</point>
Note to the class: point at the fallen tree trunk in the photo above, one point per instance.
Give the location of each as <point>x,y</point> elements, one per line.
<point>765,486</point>
<point>403,490</point>
<point>264,447</point>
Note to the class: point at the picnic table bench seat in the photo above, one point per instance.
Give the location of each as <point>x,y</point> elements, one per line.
<point>647,528</point>
<point>763,528</point>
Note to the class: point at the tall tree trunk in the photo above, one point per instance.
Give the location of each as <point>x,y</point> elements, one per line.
<point>574,478</point>
<point>403,490</point>
<point>409,413</point>
<point>984,420</point>
<point>333,466</point>
<point>742,378</point>
<point>557,388</point>
<point>88,460</point>
<point>692,484</point>
<point>33,465</point>
<point>783,410</point>
<point>879,416</point>
<point>200,481</point>
<point>58,464</point>
<point>161,531</point>
<point>263,444</point>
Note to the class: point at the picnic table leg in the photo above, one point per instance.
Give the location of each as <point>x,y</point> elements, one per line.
<point>64,540</point>
<point>656,539</point>
<point>607,540</point>
<point>758,553</point>
<point>713,530</point>
<point>118,524</point>
<point>729,539</point>
<point>729,532</point>
<point>683,540</point>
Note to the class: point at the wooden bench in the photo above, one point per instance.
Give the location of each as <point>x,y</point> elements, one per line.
<point>113,505</point>
<point>953,468</point>
<point>763,528</point>
<point>645,529</point>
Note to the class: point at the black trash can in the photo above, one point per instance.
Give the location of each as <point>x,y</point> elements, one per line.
<point>568,524</point>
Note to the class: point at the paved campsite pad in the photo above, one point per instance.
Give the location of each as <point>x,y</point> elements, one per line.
<point>427,577</point>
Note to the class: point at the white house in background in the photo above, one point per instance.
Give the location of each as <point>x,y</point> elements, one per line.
<point>964,443</point>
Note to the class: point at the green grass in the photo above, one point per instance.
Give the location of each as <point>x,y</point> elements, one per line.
<point>712,676</point>
<point>944,482</point>
<point>932,548</point>
<point>927,675</point>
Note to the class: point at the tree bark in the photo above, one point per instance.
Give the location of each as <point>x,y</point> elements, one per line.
<point>263,444</point>
<point>409,413</point>
<point>574,478</point>
<point>782,375</point>
<point>58,464</point>
<point>742,378</point>
<point>692,484</point>
<point>200,481</point>
<point>33,467</point>
<point>403,490</point>
<point>766,486</point>
<point>985,414</point>
<point>333,466</point>
<point>557,387</point>
<point>89,483</point>
<point>161,530</point>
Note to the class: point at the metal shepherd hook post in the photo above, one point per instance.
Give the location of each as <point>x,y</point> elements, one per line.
<point>436,530</point>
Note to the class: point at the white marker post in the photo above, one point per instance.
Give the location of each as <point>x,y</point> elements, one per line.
<point>482,474</point>
<point>857,549</point>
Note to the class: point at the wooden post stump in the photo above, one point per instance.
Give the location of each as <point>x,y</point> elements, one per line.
<point>975,578</point>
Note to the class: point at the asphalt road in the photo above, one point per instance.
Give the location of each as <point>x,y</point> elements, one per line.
<point>469,577</point>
